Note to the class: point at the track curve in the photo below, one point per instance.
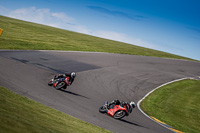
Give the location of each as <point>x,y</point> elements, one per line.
<point>100,77</point>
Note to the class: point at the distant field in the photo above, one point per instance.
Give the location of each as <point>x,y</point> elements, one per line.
<point>30,36</point>
<point>176,104</point>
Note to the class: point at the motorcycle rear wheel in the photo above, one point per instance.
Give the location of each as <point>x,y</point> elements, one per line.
<point>119,114</point>
<point>102,109</point>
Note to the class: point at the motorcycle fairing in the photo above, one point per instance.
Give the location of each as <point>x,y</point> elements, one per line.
<point>116,108</point>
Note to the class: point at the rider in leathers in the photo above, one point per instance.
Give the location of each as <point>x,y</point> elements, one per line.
<point>70,77</point>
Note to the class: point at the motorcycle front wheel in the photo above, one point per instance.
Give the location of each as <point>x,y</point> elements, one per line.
<point>102,109</point>
<point>50,83</point>
<point>119,114</point>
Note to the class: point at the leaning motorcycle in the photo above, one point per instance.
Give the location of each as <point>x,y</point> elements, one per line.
<point>115,111</point>
<point>60,83</point>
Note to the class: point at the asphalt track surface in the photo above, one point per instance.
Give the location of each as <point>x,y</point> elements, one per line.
<point>100,77</point>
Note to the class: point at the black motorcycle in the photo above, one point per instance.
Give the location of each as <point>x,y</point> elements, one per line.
<point>60,83</point>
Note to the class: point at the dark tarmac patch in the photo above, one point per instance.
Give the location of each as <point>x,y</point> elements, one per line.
<point>20,60</point>
<point>52,62</point>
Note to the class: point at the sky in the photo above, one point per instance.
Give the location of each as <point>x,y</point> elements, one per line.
<point>171,26</point>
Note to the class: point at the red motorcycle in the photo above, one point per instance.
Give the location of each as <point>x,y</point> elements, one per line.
<point>115,111</point>
<point>60,83</point>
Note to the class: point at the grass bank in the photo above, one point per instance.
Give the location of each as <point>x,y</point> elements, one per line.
<point>176,104</point>
<point>21,115</point>
<point>30,36</point>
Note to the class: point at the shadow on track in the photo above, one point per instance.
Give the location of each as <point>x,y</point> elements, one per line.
<point>75,94</point>
<point>131,123</point>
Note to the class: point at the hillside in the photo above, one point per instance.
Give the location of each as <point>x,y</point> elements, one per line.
<point>24,35</point>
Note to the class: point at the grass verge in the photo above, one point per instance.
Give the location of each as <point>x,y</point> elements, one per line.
<point>24,35</point>
<point>21,115</point>
<point>176,104</point>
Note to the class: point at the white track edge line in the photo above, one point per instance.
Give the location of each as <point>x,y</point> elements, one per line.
<point>138,103</point>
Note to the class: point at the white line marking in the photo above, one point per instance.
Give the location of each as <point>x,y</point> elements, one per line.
<point>138,104</point>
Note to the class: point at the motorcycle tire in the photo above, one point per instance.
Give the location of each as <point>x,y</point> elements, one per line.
<point>50,83</point>
<point>60,85</point>
<point>119,114</point>
<point>102,109</point>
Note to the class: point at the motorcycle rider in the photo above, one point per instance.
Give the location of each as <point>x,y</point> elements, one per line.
<point>123,104</point>
<point>69,76</point>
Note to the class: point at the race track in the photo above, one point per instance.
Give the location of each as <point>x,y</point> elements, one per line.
<point>100,77</point>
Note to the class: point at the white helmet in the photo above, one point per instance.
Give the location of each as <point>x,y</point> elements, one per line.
<point>73,74</point>
<point>133,105</point>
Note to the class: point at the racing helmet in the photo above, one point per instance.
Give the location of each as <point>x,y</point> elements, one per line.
<point>73,74</point>
<point>133,105</point>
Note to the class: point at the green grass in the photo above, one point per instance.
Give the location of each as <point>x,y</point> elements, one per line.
<point>30,36</point>
<point>177,104</point>
<point>21,115</point>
